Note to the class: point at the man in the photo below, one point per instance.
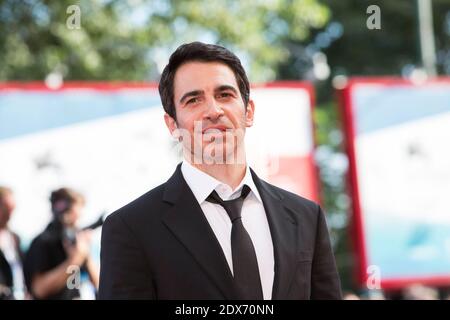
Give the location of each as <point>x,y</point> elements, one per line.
<point>11,274</point>
<point>215,230</point>
<point>61,252</point>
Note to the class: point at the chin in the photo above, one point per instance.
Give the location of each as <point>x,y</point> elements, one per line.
<point>223,152</point>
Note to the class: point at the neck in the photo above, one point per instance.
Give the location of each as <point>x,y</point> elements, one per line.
<point>230,174</point>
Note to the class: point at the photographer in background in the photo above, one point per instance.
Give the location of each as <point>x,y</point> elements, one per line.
<point>11,273</point>
<point>59,250</point>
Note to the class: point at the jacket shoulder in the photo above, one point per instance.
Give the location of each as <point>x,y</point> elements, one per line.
<point>292,199</point>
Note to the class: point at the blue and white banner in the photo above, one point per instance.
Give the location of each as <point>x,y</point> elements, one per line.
<point>399,138</point>
<point>110,142</point>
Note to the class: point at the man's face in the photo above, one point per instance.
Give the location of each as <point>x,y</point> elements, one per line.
<point>209,107</point>
<point>71,217</point>
<point>7,206</point>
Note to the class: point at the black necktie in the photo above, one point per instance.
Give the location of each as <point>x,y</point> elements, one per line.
<point>245,265</point>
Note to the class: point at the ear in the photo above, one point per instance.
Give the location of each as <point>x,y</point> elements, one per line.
<point>250,113</point>
<point>170,123</point>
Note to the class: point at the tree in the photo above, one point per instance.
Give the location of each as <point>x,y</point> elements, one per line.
<point>123,40</point>
<point>351,49</point>
<point>36,41</point>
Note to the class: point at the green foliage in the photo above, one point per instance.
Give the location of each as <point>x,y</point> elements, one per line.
<point>117,39</point>
<point>35,41</point>
<point>363,52</point>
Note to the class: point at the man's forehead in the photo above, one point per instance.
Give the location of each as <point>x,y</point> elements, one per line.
<point>196,75</point>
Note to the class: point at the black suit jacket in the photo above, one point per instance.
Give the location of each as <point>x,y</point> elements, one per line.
<point>160,246</point>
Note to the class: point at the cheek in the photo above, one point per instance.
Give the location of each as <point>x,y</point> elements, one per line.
<point>187,121</point>
<point>237,116</point>
<point>75,213</point>
<point>71,215</point>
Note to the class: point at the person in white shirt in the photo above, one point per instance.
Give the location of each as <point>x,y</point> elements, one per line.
<point>215,230</point>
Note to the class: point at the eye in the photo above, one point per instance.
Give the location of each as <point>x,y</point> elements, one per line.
<point>224,95</point>
<point>192,100</point>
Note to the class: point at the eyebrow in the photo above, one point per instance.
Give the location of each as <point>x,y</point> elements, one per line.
<point>194,93</point>
<point>226,87</point>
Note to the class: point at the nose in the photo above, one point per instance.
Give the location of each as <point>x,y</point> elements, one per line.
<point>213,111</point>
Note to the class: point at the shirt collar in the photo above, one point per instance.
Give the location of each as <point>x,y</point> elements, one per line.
<point>202,184</point>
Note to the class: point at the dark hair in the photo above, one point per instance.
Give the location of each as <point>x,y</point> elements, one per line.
<point>63,199</point>
<point>198,51</point>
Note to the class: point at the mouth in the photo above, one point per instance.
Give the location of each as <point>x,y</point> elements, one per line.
<point>220,128</point>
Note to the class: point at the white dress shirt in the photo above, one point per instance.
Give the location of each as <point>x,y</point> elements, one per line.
<point>253,215</point>
<point>8,247</point>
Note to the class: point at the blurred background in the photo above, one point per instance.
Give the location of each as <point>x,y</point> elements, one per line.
<point>324,43</point>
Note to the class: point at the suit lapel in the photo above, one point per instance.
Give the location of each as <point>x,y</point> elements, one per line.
<point>187,222</point>
<point>283,230</point>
